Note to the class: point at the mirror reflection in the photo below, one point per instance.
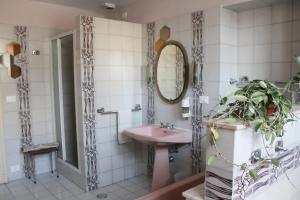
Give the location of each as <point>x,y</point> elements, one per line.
<point>171,72</point>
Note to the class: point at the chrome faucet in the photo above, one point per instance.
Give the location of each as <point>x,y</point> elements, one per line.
<point>279,146</point>
<point>167,125</point>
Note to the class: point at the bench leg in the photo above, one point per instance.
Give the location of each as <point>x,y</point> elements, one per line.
<point>56,159</point>
<point>51,161</point>
<point>33,169</point>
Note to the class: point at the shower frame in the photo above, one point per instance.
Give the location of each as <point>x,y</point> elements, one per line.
<point>63,144</point>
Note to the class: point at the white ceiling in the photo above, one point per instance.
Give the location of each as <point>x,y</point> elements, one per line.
<point>89,4</point>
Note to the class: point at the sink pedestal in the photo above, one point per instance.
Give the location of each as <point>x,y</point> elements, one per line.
<point>161,170</point>
<point>161,138</point>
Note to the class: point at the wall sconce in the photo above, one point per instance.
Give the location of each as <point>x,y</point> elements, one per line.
<point>8,60</point>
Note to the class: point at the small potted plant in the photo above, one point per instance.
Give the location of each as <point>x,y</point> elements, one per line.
<point>293,85</point>
<point>259,104</point>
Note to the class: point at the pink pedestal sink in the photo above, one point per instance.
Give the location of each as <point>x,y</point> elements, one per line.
<point>161,138</point>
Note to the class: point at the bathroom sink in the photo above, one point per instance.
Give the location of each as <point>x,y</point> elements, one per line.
<point>161,138</point>
<point>156,135</point>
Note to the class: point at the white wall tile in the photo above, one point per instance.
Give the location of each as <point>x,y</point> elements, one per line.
<point>106,178</point>
<point>262,53</point>
<point>246,36</point>
<point>282,32</point>
<point>117,161</point>
<point>114,27</point>
<point>281,71</point>
<point>296,10</point>
<point>118,175</point>
<point>296,30</point>
<point>101,42</point>
<point>281,12</point>
<point>211,35</point>
<point>228,54</point>
<point>262,35</point>
<point>246,19</point>
<point>102,73</point>
<point>261,71</point>
<point>228,18</point>
<point>282,52</point>
<point>101,25</point>
<point>130,171</point>
<point>105,164</point>
<point>262,16</point>
<point>229,35</point>
<point>296,48</point>
<point>246,54</point>
<point>104,150</point>
<point>212,53</point>
<point>212,16</point>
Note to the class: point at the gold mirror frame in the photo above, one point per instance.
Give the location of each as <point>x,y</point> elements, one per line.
<point>186,72</point>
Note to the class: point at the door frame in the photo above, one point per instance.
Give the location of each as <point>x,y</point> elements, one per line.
<point>57,38</point>
<point>3,166</point>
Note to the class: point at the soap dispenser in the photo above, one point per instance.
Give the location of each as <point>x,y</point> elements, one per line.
<point>185,108</point>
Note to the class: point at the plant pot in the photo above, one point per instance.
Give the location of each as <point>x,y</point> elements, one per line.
<point>271,111</point>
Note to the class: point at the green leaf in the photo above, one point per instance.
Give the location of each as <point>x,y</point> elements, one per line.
<point>244,166</point>
<point>257,94</point>
<point>251,109</point>
<point>211,159</point>
<point>211,142</point>
<point>286,109</point>
<point>253,174</point>
<point>223,101</point>
<point>263,84</point>
<point>241,98</point>
<point>273,138</point>
<point>275,162</point>
<point>257,126</point>
<point>290,120</point>
<point>262,162</point>
<point>230,120</point>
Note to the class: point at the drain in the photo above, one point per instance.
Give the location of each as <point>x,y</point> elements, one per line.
<point>102,196</point>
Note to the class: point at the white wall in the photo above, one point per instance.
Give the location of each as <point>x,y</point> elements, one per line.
<point>144,11</point>
<point>40,99</point>
<point>38,14</point>
<point>118,85</point>
<point>267,40</point>
<point>181,31</point>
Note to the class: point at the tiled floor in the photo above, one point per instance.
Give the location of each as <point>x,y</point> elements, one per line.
<point>51,188</point>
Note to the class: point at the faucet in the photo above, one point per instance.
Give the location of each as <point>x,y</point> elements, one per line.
<point>167,125</point>
<point>279,146</point>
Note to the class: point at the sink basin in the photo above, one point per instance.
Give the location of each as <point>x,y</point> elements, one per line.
<point>161,138</point>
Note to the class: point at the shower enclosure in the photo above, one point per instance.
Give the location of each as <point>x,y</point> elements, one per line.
<point>64,97</point>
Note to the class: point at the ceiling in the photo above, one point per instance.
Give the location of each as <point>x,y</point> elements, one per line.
<point>94,5</point>
<point>252,4</point>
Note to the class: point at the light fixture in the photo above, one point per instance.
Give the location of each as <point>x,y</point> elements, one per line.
<point>109,6</point>
<point>7,60</point>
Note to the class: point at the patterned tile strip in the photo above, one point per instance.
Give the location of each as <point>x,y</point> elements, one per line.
<point>244,186</point>
<point>179,72</point>
<point>88,86</point>
<point>197,54</point>
<point>226,181</point>
<point>151,89</point>
<point>217,187</point>
<point>23,90</point>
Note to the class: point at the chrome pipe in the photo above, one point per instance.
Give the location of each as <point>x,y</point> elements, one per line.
<point>101,111</point>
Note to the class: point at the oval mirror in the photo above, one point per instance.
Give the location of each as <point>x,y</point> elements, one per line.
<point>172,72</point>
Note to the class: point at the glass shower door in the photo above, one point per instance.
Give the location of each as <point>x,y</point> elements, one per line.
<point>64,98</point>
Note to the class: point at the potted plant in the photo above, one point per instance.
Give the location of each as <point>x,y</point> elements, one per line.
<point>293,85</point>
<point>259,104</point>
